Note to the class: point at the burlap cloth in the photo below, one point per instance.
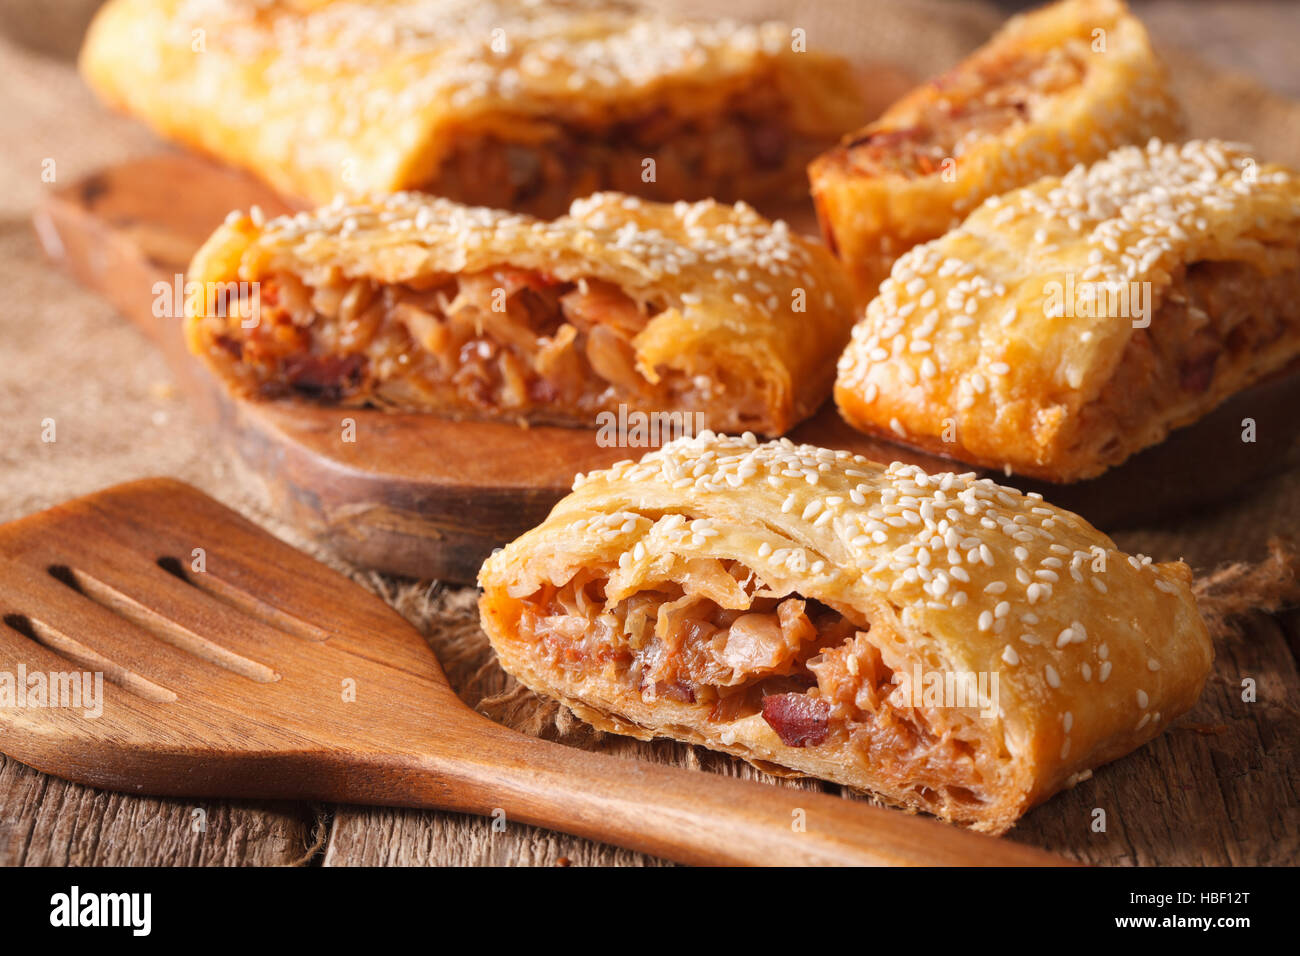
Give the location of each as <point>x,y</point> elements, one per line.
<point>68,357</point>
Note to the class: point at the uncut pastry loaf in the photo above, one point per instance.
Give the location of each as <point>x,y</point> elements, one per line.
<point>946,643</point>
<point>413,302</point>
<point>1069,324</point>
<point>509,103</point>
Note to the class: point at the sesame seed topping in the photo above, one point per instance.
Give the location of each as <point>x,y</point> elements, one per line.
<point>473,56</point>
<point>708,245</point>
<point>1131,218</point>
<point>935,546</point>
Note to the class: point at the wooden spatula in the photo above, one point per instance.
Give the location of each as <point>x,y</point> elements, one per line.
<point>236,666</point>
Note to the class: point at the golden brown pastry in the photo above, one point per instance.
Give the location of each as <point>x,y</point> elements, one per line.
<point>1055,87</point>
<point>941,641</point>
<point>1069,324</point>
<point>522,105</point>
<point>414,302</point>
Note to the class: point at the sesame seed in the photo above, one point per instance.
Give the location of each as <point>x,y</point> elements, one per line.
<point>696,242</point>
<point>1132,215</point>
<point>925,539</point>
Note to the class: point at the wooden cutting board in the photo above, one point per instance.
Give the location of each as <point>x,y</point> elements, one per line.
<point>419,496</point>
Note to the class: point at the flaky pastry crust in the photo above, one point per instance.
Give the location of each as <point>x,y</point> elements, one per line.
<point>1067,325</point>
<point>788,604</point>
<point>507,103</point>
<point>1055,87</point>
<point>417,303</point>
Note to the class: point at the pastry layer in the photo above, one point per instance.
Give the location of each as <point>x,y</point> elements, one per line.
<point>515,105</point>
<point>1055,87</point>
<point>1067,325</point>
<point>941,641</point>
<point>417,303</point>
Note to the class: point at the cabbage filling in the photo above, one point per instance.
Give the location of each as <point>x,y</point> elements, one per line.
<point>716,639</point>
<point>744,150</point>
<point>978,100</point>
<point>501,343</point>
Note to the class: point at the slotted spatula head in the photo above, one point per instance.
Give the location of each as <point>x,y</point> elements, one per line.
<point>220,647</point>
<point>234,665</point>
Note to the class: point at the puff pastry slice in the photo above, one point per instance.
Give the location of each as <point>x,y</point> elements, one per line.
<point>1069,324</point>
<point>1055,87</point>
<point>414,302</point>
<point>941,641</point>
<point>488,102</point>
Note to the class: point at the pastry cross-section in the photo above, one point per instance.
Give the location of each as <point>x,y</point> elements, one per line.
<point>1067,325</point>
<point>522,105</point>
<point>416,303</point>
<point>1055,87</point>
<point>941,641</point>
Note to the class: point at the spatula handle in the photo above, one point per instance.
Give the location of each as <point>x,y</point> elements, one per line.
<point>690,816</point>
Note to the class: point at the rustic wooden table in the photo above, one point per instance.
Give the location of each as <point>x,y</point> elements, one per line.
<point>1223,786</point>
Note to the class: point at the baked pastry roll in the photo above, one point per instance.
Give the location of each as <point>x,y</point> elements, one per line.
<point>488,102</point>
<point>941,641</point>
<point>414,302</point>
<point>1055,87</point>
<point>1069,324</point>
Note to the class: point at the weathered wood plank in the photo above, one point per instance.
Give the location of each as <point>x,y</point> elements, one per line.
<point>374,837</point>
<point>1219,788</point>
<point>45,821</point>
